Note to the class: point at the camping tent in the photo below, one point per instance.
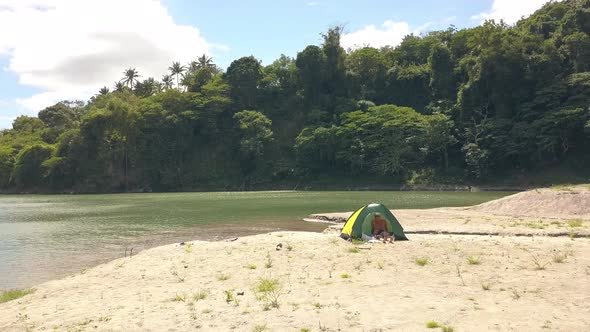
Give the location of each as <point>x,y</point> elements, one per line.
<point>359,223</point>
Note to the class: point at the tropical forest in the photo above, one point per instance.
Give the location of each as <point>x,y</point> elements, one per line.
<point>466,106</point>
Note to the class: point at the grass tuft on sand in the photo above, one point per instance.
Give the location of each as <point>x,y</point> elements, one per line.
<point>432,324</point>
<point>421,261</point>
<point>13,294</point>
<point>473,260</point>
<point>575,223</point>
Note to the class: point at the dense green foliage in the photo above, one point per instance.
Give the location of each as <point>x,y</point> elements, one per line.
<point>452,105</point>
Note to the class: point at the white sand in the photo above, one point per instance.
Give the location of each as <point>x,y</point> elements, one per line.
<point>385,290</point>
<point>571,202</point>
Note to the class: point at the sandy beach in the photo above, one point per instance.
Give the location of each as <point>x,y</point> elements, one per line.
<point>304,281</point>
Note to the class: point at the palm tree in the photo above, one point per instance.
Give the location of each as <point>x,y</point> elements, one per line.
<point>176,69</point>
<point>193,66</point>
<point>151,85</point>
<point>146,88</point>
<point>131,76</point>
<point>104,90</point>
<point>186,79</point>
<point>167,82</point>
<point>205,61</point>
<point>119,86</point>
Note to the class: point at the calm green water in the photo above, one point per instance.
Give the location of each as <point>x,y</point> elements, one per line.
<point>43,237</point>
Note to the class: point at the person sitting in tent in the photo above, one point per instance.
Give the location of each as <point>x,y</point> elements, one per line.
<point>379,229</point>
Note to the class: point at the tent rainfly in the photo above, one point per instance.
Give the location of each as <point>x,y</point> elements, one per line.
<point>359,223</point>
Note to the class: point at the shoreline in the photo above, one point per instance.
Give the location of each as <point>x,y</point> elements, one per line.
<point>321,280</point>
<point>438,188</point>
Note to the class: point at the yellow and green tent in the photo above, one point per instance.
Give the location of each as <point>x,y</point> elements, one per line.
<point>359,223</point>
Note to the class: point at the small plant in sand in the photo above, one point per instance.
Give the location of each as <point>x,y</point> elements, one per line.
<point>104,318</point>
<point>344,276</point>
<point>229,296</point>
<point>189,248</point>
<point>486,286</point>
<point>515,294</point>
<point>538,264</point>
<point>268,263</point>
<point>380,265</point>
<point>268,291</point>
<point>572,234</point>
<point>259,328</point>
<point>421,261</point>
<point>178,277</point>
<point>473,260</point>
<point>575,223</point>
<point>317,305</point>
<point>223,276</point>
<point>251,266</point>
<point>353,250</point>
<point>289,247</point>
<point>13,294</point>
<point>432,324</point>
<point>559,257</point>
<point>331,270</point>
<point>179,298</point>
<point>534,225</point>
<point>200,295</point>
<point>305,329</point>
<point>447,328</point>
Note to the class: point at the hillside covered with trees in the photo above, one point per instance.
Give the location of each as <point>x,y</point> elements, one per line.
<point>448,106</point>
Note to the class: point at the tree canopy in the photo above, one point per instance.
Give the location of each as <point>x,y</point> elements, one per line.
<point>452,105</point>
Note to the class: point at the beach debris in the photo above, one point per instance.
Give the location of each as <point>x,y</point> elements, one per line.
<point>241,293</point>
<point>131,254</point>
<point>231,240</point>
<point>279,246</point>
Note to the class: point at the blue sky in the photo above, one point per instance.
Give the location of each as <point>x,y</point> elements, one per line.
<point>270,28</point>
<point>68,49</point>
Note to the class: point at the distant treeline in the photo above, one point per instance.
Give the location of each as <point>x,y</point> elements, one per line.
<point>452,105</point>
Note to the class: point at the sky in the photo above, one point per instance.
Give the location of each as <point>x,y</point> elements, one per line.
<point>53,50</point>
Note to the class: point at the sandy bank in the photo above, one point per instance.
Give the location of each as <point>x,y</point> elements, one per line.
<point>537,212</point>
<point>323,283</point>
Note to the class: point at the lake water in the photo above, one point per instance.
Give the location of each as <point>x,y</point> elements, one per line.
<point>43,237</point>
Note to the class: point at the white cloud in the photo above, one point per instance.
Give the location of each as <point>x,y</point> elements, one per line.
<point>510,10</point>
<point>390,33</point>
<point>71,48</point>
